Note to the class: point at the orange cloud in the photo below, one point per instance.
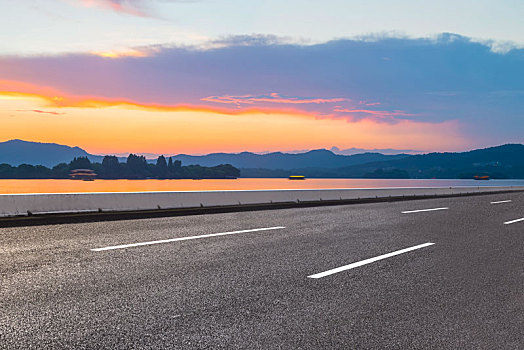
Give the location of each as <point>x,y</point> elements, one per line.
<point>39,111</point>
<point>19,88</point>
<point>57,99</point>
<point>293,106</point>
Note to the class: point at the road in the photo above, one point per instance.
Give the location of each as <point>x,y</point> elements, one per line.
<point>360,276</point>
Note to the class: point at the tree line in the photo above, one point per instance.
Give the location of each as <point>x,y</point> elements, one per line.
<point>135,167</point>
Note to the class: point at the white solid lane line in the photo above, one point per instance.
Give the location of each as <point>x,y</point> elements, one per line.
<point>131,245</point>
<point>513,221</point>
<point>421,210</point>
<point>498,202</point>
<point>368,261</point>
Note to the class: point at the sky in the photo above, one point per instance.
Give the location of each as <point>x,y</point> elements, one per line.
<point>203,76</point>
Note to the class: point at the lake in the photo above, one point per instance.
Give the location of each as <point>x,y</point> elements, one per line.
<point>73,186</point>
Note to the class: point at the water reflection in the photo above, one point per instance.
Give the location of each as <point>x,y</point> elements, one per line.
<point>71,186</point>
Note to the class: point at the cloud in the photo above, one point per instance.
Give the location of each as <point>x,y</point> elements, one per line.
<point>39,111</point>
<point>249,40</point>
<point>271,98</point>
<point>58,99</point>
<point>131,7</point>
<point>365,103</point>
<point>384,115</point>
<point>120,54</point>
<point>446,78</point>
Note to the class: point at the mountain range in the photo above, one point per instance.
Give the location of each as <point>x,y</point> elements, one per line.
<point>502,162</point>
<point>16,152</point>
<point>277,160</point>
<point>505,161</point>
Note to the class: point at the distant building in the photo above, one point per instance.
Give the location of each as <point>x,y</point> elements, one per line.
<point>82,174</point>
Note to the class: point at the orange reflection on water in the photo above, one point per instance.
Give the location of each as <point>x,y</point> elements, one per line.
<point>73,186</point>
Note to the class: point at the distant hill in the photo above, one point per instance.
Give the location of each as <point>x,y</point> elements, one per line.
<point>506,161</point>
<point>16,152</point>
<point>387,151</point>
<point>277,160</point>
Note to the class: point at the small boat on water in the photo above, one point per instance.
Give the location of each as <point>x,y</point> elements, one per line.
<point>477,177</point>
<point>297,177</point>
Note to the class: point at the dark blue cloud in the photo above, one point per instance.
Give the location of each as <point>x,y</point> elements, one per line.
<point>432,80</point>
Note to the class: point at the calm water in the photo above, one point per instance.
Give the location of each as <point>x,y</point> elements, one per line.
<point>72,186</point>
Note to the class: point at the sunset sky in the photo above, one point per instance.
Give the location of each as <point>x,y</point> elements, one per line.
<point>203,76</point>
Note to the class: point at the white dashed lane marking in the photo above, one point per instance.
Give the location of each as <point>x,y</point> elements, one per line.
<point>423,210</point>
<point>368,261</point>
<point>131,245</point>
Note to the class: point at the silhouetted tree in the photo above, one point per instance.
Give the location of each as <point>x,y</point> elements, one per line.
<point>7,171</point>
<point>177,169</point>
<point>111,167</point>
<point>161,167</point>
<point>170,167</point>
<point>80,163</point>
<point>137,166</point>
<point>27,171</point>
<point>60,171</point>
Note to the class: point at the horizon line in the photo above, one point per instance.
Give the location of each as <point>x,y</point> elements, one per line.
<point>291,152</point>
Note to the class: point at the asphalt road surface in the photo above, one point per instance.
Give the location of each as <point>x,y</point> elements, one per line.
<point>367,276</point>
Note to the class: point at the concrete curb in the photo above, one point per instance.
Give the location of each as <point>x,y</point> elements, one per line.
<point>86,215</point>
